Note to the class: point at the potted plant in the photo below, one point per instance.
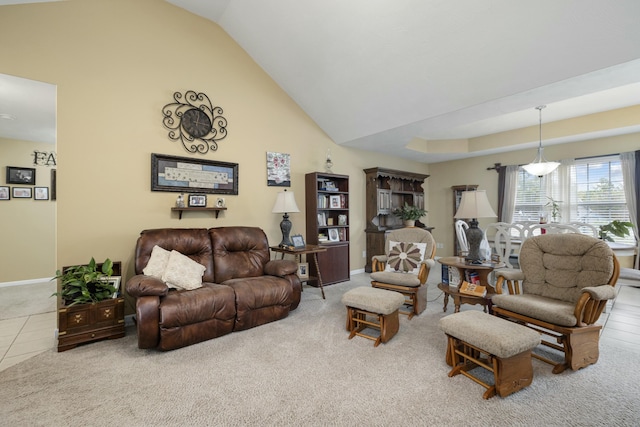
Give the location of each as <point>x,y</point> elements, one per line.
<point>617,228</point>
<point>85,284</point>
<point>555,209</point>
<point>90,308</point>
<point>409,214</point>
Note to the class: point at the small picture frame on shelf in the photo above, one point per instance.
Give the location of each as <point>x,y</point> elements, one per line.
<point>334,235</point>
<point>197,200</point>
<point>4,193</point>
<point>21,192</point>
<point>330,186</point>
<point>343,234</point>
<point>303,270</point>
<point>41,193</point>
<point>342,220</point>
<point>298,241</point>
<point>334,202</point>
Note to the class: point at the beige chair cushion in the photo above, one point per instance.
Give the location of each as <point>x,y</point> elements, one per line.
<point>560,266</point>
<point>401,279</point>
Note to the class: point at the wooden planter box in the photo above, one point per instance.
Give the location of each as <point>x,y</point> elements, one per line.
<point>83,323</point>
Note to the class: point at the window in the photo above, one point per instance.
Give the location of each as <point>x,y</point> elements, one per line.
<point>590,190</point>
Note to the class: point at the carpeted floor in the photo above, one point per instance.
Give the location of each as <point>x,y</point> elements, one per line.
<point>303,370</point>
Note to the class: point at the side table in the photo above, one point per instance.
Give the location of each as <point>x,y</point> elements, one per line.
<point>309,250</point>
<point>483,271</point>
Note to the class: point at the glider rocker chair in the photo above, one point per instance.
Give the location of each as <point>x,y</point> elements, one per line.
<point>405,266</point>
<point>561,289</point>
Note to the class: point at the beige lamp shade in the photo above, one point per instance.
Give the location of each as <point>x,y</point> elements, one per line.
<point>474,204</point>
<point>285,202</point>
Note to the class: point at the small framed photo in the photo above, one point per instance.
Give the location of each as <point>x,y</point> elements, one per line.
<point>334,202</point>
<point>21,192</point>
<point>343,234</point>
<point>220,202</point>
<point>322,219</point>
<point>41,193</point>
<point>24,176</point>
<point>303,270</point>
<point>4,193</point>
<point>115,282</point>
<point>334,236</point>
<point>342,220</point>
<point>197,200</point>
<point>298,241</point>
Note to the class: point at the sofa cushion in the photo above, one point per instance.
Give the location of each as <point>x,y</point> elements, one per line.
<point>182,272</point>
<point>157,262</point>
<point>238,252</point>
<point>260,300</point>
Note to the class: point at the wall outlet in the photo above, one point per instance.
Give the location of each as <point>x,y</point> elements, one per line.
<point>364,254</point>
<point>439,245</point>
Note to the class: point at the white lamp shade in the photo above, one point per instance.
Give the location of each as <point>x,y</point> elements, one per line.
<point>541,168</point>
<point>285,202</point>
<point>474,204</point>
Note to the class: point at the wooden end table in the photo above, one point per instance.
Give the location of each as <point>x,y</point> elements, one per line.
<point>483,271</point>
<point>309,250</point>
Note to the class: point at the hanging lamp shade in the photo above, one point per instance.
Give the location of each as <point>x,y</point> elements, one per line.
<point>540,166</point>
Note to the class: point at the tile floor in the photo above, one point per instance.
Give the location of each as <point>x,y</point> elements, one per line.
<point>24,337</point>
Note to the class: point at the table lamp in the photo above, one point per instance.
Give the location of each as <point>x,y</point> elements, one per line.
<point>285,203</point>
<point>474,205</point>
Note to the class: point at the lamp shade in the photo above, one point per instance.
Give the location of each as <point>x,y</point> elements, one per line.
<point>540,168</point>
<point>474,204</point>
<point>285,202</point>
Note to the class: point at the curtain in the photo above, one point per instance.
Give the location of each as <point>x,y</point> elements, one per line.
<point>507,180</point>
<point>630,162</point>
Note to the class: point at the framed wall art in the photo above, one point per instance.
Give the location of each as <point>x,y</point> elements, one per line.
<point>23,176</point>
<point>4,193</point>
<point>21,192</point>
<point>187,175</point>
<point>41,193</point>
<point>278,169</point>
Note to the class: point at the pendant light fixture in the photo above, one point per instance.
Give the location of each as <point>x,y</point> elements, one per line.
<point>540,166</point>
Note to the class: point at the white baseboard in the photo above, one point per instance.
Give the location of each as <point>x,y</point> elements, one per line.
<point>25,282</point>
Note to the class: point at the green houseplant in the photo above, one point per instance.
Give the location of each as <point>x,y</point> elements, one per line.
<point>555,208</point>
<point>409,213</point>
<point>85,284</point>
<point>617,228</point>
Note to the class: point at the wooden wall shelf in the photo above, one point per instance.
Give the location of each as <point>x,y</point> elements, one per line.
<point>194,209</point>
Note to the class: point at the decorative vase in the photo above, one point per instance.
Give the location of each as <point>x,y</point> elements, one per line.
<point>409,222</point>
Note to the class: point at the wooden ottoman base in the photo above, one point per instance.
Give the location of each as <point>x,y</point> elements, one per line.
<point>387,324</point>
<point>476,339</point>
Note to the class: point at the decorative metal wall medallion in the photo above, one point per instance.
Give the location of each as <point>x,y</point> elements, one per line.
<point>195,122</point>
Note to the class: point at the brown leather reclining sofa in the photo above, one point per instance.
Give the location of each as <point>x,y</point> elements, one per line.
<point>242,286</point>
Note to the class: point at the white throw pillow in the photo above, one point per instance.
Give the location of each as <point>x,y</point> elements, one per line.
<point>157,262</point>
<point>182,272</point>
<point>405,257</point>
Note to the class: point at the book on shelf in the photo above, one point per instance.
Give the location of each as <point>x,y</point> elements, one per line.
<point>445,274</point>
<point>473,289</point>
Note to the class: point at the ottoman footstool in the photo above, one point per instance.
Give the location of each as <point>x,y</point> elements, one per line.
<point>380,305</point>
<point>502,347</point>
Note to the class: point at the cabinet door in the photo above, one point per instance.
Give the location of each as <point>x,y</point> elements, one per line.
<point>334,265</point>
<point>384,202</point>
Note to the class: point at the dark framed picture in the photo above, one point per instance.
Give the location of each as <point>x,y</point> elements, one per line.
<point>298,241</point>
<point>21,192</point>
<point>197,200</point>
<point>187,175</point>
<point>24,176</point>
<point>303,270</point>
<point>41,193</point>
<point>4,193</point>
<point>278,169</point>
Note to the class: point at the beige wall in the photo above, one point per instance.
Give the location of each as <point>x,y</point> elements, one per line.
<point>26,225</point>
<point>116,64</point>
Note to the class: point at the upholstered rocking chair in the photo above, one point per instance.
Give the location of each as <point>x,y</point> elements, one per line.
<point>560,290</point>
<point>405,266</point>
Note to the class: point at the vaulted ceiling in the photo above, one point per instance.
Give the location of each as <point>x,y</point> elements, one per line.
<point>429,80</point>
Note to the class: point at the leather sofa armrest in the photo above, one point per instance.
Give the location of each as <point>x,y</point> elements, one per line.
<point>280,267</point>
<point>141,285</point>
<point>148,321</point>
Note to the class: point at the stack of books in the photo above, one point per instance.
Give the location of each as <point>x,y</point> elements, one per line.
<point>473,289</point>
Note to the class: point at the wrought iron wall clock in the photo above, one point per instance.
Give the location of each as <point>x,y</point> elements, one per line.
<point>195,122</point>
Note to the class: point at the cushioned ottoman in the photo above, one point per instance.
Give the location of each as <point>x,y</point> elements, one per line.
<point>500,346</point>
<point>380,304</point>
